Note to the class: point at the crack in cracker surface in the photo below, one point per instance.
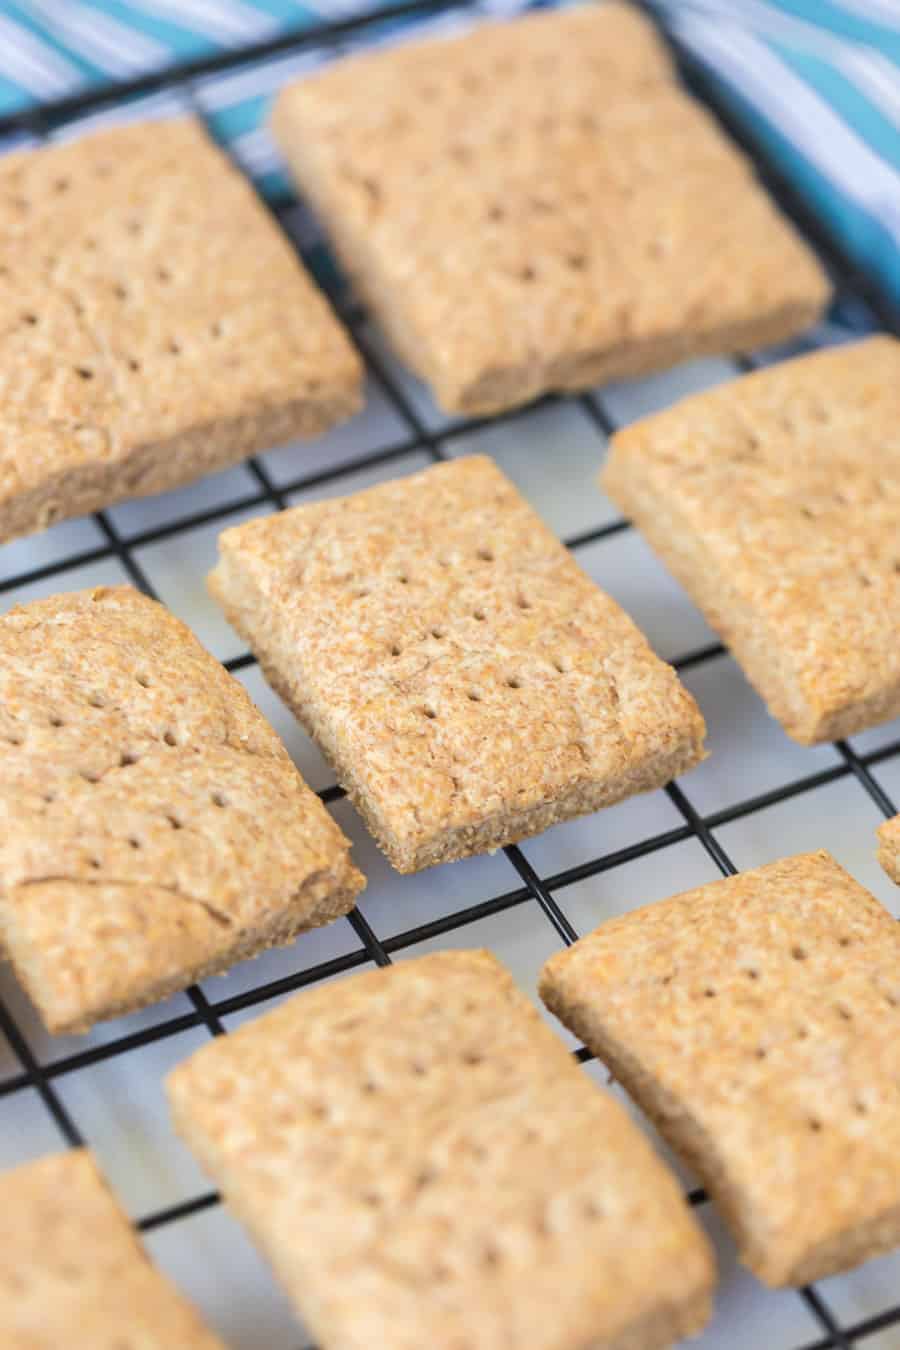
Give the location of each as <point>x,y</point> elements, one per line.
<point>218,915</point>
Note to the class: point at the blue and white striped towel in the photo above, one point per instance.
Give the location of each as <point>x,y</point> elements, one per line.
<point>52,48</point>
<point>815,82</point>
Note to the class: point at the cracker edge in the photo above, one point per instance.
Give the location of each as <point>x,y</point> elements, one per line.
<point>82,1158</point>
<point>889,847</point>
<point>658,1330</point>
<point>245,608</point>
<point>627,478</point>
<point>349,881</point>
<point>496,388</point>
<point>156,466</point>
<point>774,1264</point>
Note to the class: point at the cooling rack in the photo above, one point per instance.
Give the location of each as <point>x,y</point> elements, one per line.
<point>758,797</point>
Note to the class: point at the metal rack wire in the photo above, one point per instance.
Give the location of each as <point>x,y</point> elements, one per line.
<point>855,293</point>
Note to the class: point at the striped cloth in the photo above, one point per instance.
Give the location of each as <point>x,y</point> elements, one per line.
<point>52,48</point>
<point>815,82</point>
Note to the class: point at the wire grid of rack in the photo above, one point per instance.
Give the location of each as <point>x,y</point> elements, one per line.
<point>410,434</point>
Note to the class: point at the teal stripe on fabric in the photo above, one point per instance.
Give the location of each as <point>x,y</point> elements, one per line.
<point>236,108</point>
<point>845,22</point>
<point>13,97</point>
<point>275,185</point>
<point>23,14</point>
<point>227,124</point>
<point>203,26</point>
<point>290,14</point>
<point>821,98</point>
<point>844,52</point>
<point>858,112</point>
<point>864,237</point>
<point>183,41</point>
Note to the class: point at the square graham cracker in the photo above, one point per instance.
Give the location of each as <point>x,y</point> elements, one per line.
<point>775,501</point>
<point>469,683</point>
<point>889,848</point>
<point>460,1181</point>
<point>155,829</point>
<point>156,324</point>
<point>756,1021</point>
<point>74,1273</point>
<point>537,205</point>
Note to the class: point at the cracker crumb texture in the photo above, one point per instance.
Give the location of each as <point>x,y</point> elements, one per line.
<point>73,1271</point>
<point>775,500</point>
<point>156,829</point>
<point>470,684</point>
<point>464,1183</point>
<point>157,324</point>
<point>538,205</point>
<point>756,1021</point>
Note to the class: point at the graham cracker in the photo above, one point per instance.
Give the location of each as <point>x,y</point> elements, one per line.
<point>537,205</point>
<point>889,848</point>
<point>155,829</point>
<point>775,501</point>
<point>156,324</point>
<point>461,1181</point>
<point>469,683</point>
<point>73,1271</point>
<point>755,1021</point>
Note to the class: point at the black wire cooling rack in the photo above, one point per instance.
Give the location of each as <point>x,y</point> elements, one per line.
<point>861,308</point>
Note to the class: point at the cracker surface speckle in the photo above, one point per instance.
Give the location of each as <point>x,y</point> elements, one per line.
<point>156,324</point>
<point>155,829</point>
<point>73,1272</point>
<point>756,1021</point>
<point>775,500</point>
<point>889,848</point>
<point>538,205</point>
<point>424,1164</point>
<point>470,684</point>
